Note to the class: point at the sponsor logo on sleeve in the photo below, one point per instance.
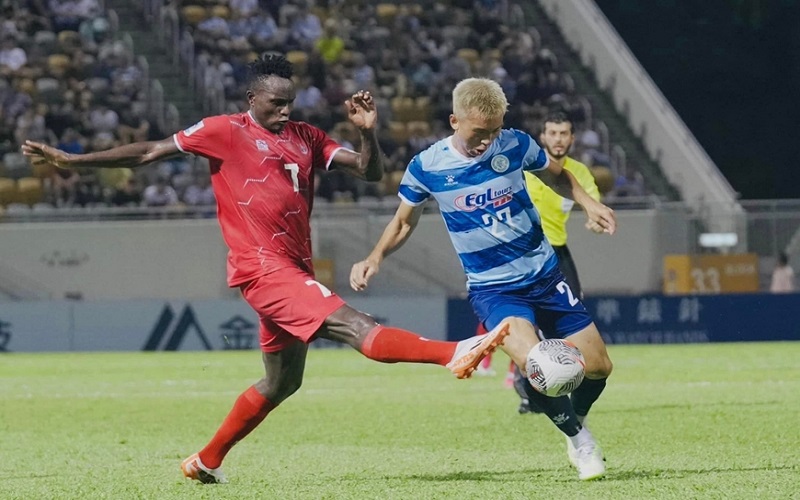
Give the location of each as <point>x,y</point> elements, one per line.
<point>194,128</point>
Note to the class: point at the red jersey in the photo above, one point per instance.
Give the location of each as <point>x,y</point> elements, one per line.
<point>264,185</point>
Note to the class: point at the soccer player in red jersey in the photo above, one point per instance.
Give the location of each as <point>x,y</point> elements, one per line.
<point>262,171</point>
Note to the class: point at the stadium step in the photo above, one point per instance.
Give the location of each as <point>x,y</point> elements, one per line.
<point>146,43</point>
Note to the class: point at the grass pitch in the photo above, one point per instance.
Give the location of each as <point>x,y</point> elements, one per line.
<point>676,421</point>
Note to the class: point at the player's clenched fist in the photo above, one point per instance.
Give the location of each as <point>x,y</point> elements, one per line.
<point>361,273</point>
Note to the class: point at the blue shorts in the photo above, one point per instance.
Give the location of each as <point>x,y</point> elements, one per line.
<point>547,303</point>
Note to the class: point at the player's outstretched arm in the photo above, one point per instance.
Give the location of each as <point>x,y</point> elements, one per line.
<point>396,233</point>
<point>368,163</point>
<point>127,156</point>
<point>601,217</point>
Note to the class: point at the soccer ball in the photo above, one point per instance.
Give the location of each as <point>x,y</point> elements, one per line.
<point>555,367</point>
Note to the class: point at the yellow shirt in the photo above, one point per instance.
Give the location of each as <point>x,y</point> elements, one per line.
<point>553,208</point>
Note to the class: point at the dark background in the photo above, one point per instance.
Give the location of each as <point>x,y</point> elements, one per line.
<point>731,69</point>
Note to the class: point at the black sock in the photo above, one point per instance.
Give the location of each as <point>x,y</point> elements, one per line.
<point>521,385</point>
<point>586,394</point>
<point>558,410</point>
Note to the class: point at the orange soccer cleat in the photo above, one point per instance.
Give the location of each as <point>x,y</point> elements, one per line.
<point>470,352</point>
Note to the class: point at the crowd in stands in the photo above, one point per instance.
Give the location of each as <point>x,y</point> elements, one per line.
<point>66,79</point>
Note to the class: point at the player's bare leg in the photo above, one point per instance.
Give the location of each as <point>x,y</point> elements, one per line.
<point>394,345</point>
<point>282,378</point>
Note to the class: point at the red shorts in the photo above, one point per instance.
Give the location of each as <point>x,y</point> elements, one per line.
<point>291,306</point>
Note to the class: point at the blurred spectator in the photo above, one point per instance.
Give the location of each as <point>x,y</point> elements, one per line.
<point>132,127</point>
<point>71,142</point>
<point>631,184</point>
<point>260,30</point>
<point>419,74</point>
<point>200,194</point>
<point>103,119</point>
<point>782,276</point>
<point>454,69</point>
<point>160,194</point>
<point>94,31</point>
<point>363,74</point>
<point>244,8</point>
<point>90,192</point>
<point>102,141</point>
<point>62,187</point>
<point>68,14</point>
<point>305,28</point>
<point>31,125</point>
<point>214,27</point>
<point>12,56</point>
<point>61,117</point>
<point>336,185</point>
<point>330,45</point>
<point>308,103</point>
<point>128,194</point>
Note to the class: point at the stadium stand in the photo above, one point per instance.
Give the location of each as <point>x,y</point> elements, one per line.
<point>85,82</point>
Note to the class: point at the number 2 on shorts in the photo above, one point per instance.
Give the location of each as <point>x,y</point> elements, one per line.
<point>564,288</point>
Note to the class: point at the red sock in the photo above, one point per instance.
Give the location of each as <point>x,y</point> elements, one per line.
<point>250,409</point>
<point>392,345</point>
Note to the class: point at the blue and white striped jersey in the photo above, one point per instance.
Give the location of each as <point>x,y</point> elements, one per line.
<point>493,224</point>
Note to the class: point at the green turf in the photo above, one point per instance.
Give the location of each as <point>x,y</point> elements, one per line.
<point>683,422</point>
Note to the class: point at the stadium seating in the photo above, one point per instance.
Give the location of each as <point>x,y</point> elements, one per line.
<point>8,191</point>
<point>413,98</point>
<point>193,14</point>
<point>29,190</point>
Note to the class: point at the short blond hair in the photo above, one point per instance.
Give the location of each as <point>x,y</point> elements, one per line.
<point>479,96</point>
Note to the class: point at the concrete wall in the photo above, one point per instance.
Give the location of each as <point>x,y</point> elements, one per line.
<point>157,325</point>
<point>186,259</point>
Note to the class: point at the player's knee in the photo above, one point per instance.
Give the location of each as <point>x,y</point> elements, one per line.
<point>601,369</point>
<point>277,391</point>
<point>349,325</point>
<point>361,324</point>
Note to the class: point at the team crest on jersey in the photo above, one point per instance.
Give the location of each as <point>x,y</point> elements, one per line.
<point>303,149</point>
<point>194,128</point>
<point>494,197</point>
<point>262,145</point>
<point>500,164</point>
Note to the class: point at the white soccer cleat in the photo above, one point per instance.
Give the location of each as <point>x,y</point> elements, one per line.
<point>589,461</point>
<point>470,352</point>
<point>193,468</point>
<point>572,452</point>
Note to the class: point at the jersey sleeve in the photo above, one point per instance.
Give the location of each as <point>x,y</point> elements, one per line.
<point>323,147</point>
<point>533,156</point>
<point>586,180</point>
<point>210,138</point>
<point>412,189</point>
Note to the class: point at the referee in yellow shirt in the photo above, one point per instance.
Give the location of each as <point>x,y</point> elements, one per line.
<point>557,138</point>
